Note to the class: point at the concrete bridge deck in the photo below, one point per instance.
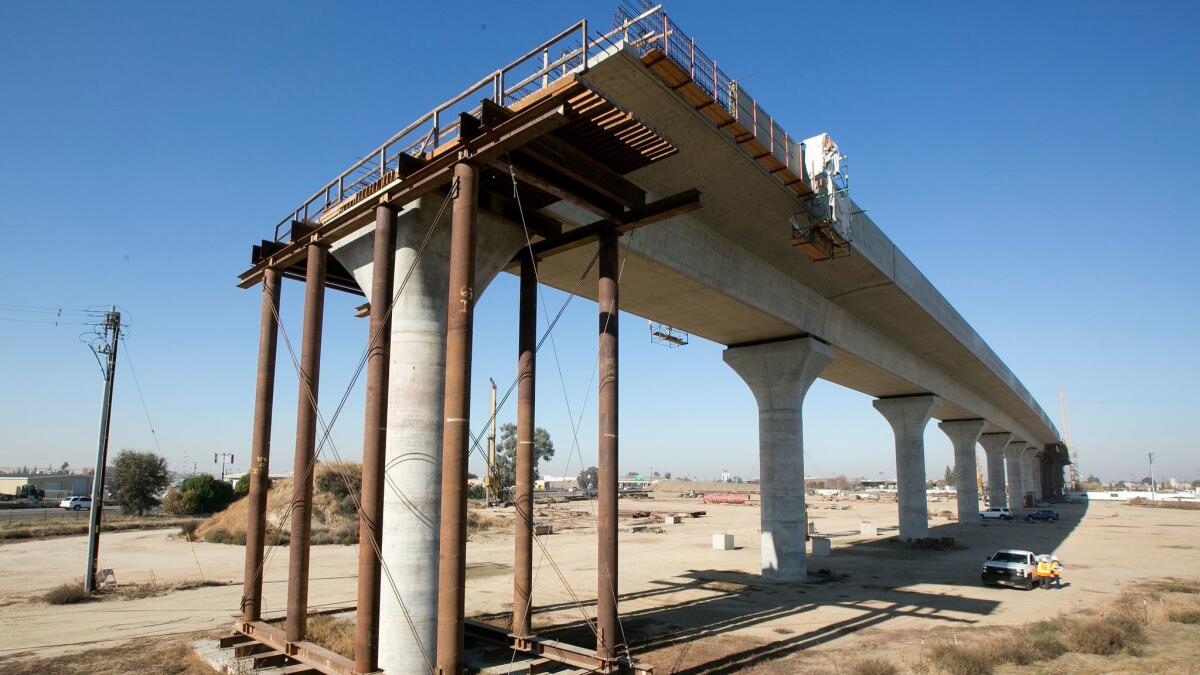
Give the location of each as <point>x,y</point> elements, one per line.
<point>727,273</point>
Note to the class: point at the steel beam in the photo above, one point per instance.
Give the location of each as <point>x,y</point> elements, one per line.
<point>532,123</point>
<point>370,524</point>
<point>526,454</point>
<point>609,642</point>
<point>260,447</point>
<point>306,436</point>
<point>452,573</point>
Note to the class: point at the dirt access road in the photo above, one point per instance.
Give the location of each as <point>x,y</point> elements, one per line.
<point>685,607</point>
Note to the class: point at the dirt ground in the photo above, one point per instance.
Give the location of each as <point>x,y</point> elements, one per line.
<point>684,606</point>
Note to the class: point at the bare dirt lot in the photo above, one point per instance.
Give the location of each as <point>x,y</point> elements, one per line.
<point>685,607</point>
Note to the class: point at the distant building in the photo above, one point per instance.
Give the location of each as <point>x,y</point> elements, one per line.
<point>55,486</point>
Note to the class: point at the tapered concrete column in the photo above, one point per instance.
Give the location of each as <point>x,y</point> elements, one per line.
<point>908,416</point>
<point>416,381</point>
<point>1012,471</point>
<point>993,447</point>
<point>1028,482</point>
<point>1038,489</point>
<point>963,436</point>
<point>779,375</point>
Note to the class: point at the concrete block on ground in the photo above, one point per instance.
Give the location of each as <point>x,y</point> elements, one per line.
<point>822,547</point>
<point>722,542</point>
<point>672,520</point>
<point>867,529</point>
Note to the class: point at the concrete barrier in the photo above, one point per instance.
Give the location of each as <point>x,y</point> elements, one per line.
<point>722,542</point>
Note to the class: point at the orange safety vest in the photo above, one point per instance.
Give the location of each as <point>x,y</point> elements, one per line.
<point>1043,569</point>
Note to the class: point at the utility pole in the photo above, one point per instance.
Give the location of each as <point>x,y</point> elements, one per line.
<point>108,347</point>
<point>1153,487</point>
<point>223,458</point>
<point>489,478</point>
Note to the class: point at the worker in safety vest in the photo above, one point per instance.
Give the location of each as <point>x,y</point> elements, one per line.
<point>1044,571</point>
<point>1056,569</point>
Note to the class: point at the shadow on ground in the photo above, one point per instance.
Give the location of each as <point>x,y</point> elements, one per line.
<point>869,583</point>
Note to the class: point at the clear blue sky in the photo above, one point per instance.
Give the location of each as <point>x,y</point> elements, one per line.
<point>1036,161</point>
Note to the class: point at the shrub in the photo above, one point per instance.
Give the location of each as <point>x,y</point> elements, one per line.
<point>188,527</point>
<point>199,494</point>
<point>1184,615</point>
<point>1101,636</point>
<point>332,633</point>
<point>68,594</point>
<point>341,484</point>
<point>873,667</point>
<point>220,535</point>
<point>964,659</point>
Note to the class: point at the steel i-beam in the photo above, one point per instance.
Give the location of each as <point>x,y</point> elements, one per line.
<point>452,573</point>
<point>370,524</point>
<point>526,454</point>
<point>306,435</point>
<point>260,447</point>
<point>608,638</point>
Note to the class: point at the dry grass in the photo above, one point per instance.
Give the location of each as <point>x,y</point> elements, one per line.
<point>149,656</point>
<point>68,526</point>
<point>1127,626</point>
<point>331,633</point>
<point>68,594</point>
<point>1185,506</point>
<point>73,593</point>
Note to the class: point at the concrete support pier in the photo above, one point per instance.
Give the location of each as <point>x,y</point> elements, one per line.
<point>963,436</point>
<point>779,375</point>
<point>908,416</point>
<point>416,381</point>
<point>1028,482</point>
<point>1012,471</point>
<point>993,448</point>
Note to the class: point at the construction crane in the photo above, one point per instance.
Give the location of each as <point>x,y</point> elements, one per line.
<point>1073,467</point>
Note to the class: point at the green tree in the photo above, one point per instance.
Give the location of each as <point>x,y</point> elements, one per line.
<point>200,494</point>
<point>588,479</point>
<point>506,454</point>
<point>137,477</point>
<point>951,476</point>
<point>242,487</point>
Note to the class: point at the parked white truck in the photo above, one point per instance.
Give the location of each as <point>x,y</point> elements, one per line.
<point>1010,568</point>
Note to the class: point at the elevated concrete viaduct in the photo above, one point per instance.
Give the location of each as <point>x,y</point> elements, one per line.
<point>632,147</point>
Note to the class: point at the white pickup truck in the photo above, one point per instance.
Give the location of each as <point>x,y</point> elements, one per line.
<point>997,513</point>
<point>1011,568</point>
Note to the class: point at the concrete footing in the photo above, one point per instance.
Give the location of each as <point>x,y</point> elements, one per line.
<point>963,436</point>
<point>908,416</point>
<point>779,375</point>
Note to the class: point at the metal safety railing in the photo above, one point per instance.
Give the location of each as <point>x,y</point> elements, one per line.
<point>637,26</point>
<point>648,30</point>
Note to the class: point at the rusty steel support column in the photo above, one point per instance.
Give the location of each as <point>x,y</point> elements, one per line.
<point>260,447</point>
<point>452,554</point>
<point>370,522</point>
<point>306,436</point>
<point>608,639</point>
<point>526,455</point>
